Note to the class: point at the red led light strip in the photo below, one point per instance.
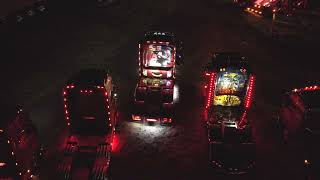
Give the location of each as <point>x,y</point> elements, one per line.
<point>66,106</point>
<point>211,89</point>
<point>250,92</point>
<point>309,88</point>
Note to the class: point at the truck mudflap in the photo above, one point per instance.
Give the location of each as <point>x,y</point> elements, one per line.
<point>100,168</point>
<point>232,158</point>
<point>64,168</point>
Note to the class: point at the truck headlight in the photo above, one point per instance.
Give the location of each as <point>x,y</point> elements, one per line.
<point>169,74</point>
<point>144,72</point>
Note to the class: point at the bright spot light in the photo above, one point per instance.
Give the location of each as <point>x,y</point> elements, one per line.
<point>175,93</point>
<point>147,131</point>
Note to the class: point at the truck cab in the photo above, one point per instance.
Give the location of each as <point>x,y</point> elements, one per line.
<point>228,97</point>
<point>20,152</point>
<point>91,113</point>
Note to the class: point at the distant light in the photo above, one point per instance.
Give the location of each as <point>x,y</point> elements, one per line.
<point>306,162</point>
<point>136,118</point>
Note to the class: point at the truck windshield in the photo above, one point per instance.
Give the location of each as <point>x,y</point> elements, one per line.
<point>88,113</point>
<point>231,85</point>
<point>158,56</point>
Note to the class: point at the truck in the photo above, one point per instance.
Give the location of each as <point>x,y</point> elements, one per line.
<point>228,88</point>
<point>91,112</point>
<point>21,151</point>
<point>298,119</point>
<point>159,54</point>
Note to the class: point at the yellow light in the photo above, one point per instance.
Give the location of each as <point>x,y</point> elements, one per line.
<point>136,118</point>
<point>306,162</point>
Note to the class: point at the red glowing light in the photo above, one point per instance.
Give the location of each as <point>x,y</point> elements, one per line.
<point>249,92</point>
<point>308,88</point>
<point>211,89</point>
<point>106,93</point>
<point>115,143</point>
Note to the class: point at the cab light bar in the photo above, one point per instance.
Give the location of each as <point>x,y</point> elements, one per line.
<point>136,118</point>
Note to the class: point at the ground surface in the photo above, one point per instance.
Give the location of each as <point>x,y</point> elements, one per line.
<point>39,56</point>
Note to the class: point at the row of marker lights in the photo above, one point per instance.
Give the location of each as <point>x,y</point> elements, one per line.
<point>252,10</point>
<point>250,90</point>
<point>12,153</point>
<point>309,88</point>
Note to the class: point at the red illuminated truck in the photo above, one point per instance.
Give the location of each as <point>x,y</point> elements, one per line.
<point>20,152</point>
<point>299,114</point>
<point>159,53</point>
<point>91,112</point>
<point>229,93</point>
